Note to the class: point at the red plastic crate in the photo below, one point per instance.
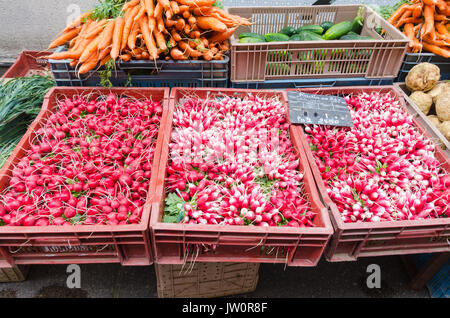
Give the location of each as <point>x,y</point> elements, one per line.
<point>248,244</point>
<point>353,240</point>
<point>29,63</point>
<point>126,244</point>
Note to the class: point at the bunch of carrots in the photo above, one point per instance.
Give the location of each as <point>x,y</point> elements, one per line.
<point>149,29</point>
<point>426,24</point>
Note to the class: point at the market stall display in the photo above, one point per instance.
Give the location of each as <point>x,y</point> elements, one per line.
<point>430,97</point>
<point>220,199</point>
<point>424,22</point>
<point>376,58</point>
<point>386,198</point>
<point>208,181</point>
<point>75,186</point>
<point>149,30</point>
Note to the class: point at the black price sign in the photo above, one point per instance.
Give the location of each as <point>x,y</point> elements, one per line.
<point>328,110</point>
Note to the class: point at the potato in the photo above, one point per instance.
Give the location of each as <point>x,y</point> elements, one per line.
<point>422,77</point>
<point>443,107</point>
<point>444,128</point>
<point>422,100</point>
<point>439,89</point>
<point>434,120</point>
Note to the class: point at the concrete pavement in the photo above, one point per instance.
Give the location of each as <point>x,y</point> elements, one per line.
<point>347,279</point>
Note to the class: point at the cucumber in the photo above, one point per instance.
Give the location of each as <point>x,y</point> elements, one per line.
<point>296,37</point>
<point>338,30</point>
<point>310,36</point>
<point>353,36</point>
<point>357,24</point>
<point>251,40</point>
<point>289,31</point>
<point>276,37</point>
<point>252,35</point>
<point>312,28</point>
<point>326,25</point>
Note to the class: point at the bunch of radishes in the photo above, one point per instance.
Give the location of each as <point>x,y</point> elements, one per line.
<point>383,168</point>
<point>90,163</point>
<point>232,162</point>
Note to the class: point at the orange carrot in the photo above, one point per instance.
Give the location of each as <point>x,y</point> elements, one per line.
<point>436,42</point>
<point>440,17</point>
<point>148,38</point>
<point>130,4</point>
<point>158,10</point>
<point>183,8</point>
<point>92,25</point>
<point>188,50</point>
<point>170,23</point>
<point>441,5</point>
<point>149,7</point>
<point>125,57</point>
<point>165,4</point>
<point>175,7</point>
<point>417,11</point>
<point>172,42</point>
<point>222,36</point>
<point>160,40</point>
<point>210,23</point>
<point>398,13</point>
<point>406,14</point>
<point>73,63</point>
<point>169,14</point>
<point>90,49</point>
<point>133,35</point>
<point>175,35</point>
<point>98,28</point>
<point>117,37</point>
<point>197,3</point>
<point>412,20</point>
<point>428,27</point>
<point>186,14</point>
<point>104,53</point>
<point>129,22</point>
<point>180,24</point>
<point>107,35</point>
<point>78,21</point>
<point>192,20</point>
<point>60,56</point>
<point>204,41</point>
<point>208,55</point>
<point>136,51</point>
<point>152,24</point>
<point>436,49</point>
<point>65,37</point>
<point>104,60</point>
<point>442,29</point>
<point>90,64</point>
<point>159,18</point>
<point>176,54</point>
<point>413,41</point>
<point>160,24</point>
<point>141,12</point>
<point>187,29</point>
